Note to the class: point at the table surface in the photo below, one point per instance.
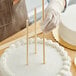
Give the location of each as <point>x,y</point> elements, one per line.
<point>71,53</point>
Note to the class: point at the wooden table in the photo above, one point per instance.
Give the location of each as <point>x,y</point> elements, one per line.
<point>71,53</point>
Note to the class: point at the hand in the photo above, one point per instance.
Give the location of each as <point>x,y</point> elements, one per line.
<point>52,15</point>
<point>52,19</point>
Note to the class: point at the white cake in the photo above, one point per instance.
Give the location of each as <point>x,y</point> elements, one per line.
<point>67,28</point>
<point>13,61</point>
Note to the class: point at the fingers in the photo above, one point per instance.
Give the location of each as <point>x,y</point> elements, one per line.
<point>46,22</point>
<point>51,23</point>
<point>57,18</point>
<point>52,19</point>
<point>49,29</point>
<point>50,26</point>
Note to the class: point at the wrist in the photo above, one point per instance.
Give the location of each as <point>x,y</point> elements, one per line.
<point>58,5</point>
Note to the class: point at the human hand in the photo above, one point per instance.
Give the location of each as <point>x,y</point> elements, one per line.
<point>52,19</point>
<point>52,15</point>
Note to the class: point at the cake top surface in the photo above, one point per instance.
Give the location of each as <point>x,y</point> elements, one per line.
<point>69,17</point>
<point>13,61</point>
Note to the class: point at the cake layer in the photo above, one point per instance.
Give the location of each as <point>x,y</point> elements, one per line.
<point>67,35</point>
<point>13,61</point>
<point>67,28</point>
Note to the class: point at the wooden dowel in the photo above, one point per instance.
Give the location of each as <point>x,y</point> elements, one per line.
<point>43,48</point>
<point>27,23</point>
<point>43,10</point>
<point>43,33</point>
<point>35,31</point>
<point>75,61</point>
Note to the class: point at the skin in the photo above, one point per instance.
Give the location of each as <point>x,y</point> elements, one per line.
<point>15,1</point>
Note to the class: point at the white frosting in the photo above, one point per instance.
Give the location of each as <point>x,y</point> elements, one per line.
<point>67,28</point>
<point>13,61</point>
